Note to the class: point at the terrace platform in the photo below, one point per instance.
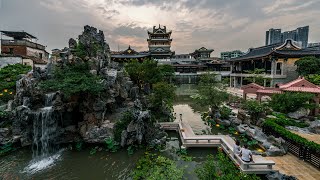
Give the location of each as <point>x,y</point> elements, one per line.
<point>189,140</point>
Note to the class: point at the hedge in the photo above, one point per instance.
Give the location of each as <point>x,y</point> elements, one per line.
<point>270,123</point>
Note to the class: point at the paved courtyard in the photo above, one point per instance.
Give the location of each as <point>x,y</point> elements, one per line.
<point>291,165</point>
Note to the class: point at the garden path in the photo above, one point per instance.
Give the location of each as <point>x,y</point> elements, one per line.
<point>311,137</point>
<point>293,166</point>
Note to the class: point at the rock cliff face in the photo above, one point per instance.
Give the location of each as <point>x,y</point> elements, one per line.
<point>79,117</point>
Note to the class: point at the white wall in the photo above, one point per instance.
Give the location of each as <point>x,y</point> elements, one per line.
<point>4,61</point>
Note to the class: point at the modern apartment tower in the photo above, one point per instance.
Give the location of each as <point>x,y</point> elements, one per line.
<point>273,36</point>
<point>300,35</point>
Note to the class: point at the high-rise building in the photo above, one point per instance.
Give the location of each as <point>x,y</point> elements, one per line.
<point>159,43</point>
<point>273,36</point>
<point>300,35</point>
<point>231,54</point>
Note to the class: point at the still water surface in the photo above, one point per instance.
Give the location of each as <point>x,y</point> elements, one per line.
<point>71,165</point>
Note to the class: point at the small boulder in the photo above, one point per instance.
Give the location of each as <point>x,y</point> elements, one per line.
<point>315,127</point>
<point>300,113</point>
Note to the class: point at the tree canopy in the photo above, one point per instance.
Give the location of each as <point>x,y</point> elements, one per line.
<point>148,71</point>
<point>290,101</point>
<point>210,92</point>
<point>308,65</point>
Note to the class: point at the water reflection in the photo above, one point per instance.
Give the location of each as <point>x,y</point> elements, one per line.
<point>191,112</point>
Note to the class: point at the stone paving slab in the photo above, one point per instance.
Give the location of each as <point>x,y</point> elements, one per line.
<point>293,166</point>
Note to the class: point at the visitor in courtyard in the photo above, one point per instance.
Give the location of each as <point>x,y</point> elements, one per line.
<point>246,154</point>
<point>236,148</point>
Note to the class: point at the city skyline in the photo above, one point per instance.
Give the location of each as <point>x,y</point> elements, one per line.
<point>223,26</point>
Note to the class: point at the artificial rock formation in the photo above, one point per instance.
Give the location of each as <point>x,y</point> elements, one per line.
<point>79,117</point>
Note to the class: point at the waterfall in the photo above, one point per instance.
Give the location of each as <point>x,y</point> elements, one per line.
<point>44,131</point>
<point>44,128</point>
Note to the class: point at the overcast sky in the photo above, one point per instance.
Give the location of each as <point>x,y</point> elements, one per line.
<point>219,24</point>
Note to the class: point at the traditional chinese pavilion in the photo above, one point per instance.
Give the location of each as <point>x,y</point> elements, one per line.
<point>128,55</point>
<point>298,85</point>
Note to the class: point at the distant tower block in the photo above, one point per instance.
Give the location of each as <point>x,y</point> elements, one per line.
<point>159,43</point>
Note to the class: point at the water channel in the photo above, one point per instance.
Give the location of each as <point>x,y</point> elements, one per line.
<point>67,164</point>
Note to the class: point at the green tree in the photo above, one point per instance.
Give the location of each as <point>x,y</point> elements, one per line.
<point>153,167</point>
<point>221,168</point>
<point>308,65</point>
<point>314,78</point>
<point>162,93</point>
<point>255,109</point>
<point>8,77</point>
<point>290,101</point>
<point>210,92</point>
<point>166,72</point>
<point>256,76</point>
<point>148,71</point>
<point>72,80</point>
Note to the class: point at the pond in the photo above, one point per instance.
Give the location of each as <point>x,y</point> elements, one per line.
<point>101,165</point>
<point>70,164</point>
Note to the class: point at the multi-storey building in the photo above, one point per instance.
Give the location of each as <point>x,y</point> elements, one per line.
<point>273,36</point>
<point>300,35</point>
<point>276,61</point>
<point>22,44</point>
<point>159,43</point>
<point>231,54</point>
<point>19,47</point>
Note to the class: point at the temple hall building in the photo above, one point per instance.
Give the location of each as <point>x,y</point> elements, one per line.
<point>128,55</point>
<point>277,61</point>
<point>159,43</point>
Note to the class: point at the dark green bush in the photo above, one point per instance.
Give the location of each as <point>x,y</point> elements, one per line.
<point>122,124</point>
<point>221,168</point>
<point>225,112</point>
<point>255,109</point>
<point>154,167</point>
<point>290,101</point>
<point>8,77</point>
<point>284,133</point>
<point>73,79</point>
<point>282,120</point>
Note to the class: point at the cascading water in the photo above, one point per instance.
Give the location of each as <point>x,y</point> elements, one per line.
<point>44,132</point>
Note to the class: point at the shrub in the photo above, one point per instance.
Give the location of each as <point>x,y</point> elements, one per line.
<point>284,133</point>
<point>225,112</point>
<point>122,124</point>
<point>8,77</point>
<point>73,79</point>
<point>290,101</point>
<point>254,108</point>
<point>111,145</point>
<point>221,168</point>
<point>282,120</point>
<point>153,167</point>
